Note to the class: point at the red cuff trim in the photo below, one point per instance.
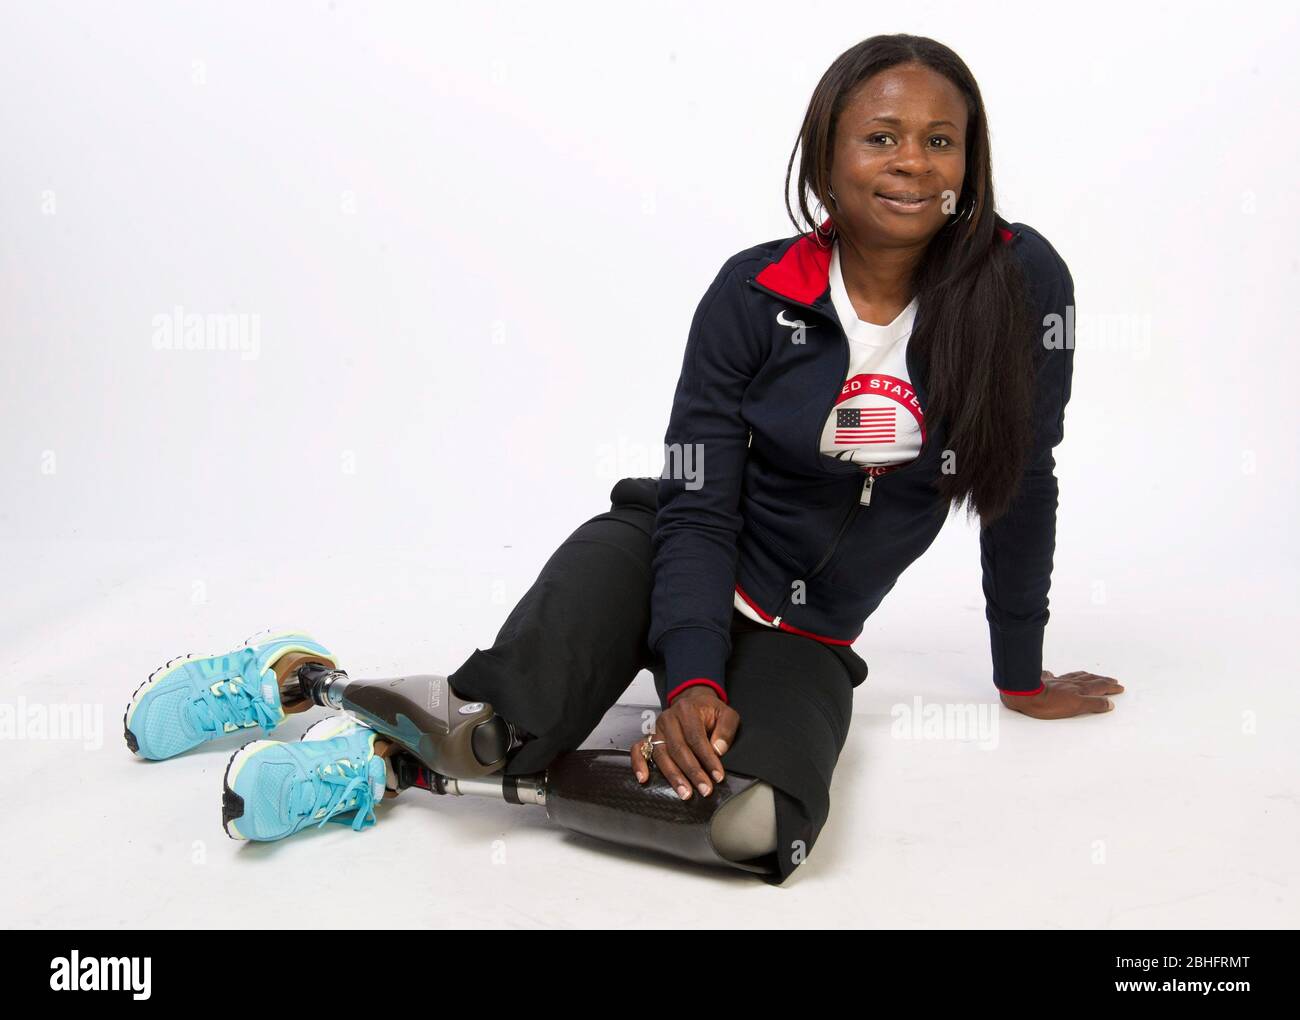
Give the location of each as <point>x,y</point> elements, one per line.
<point>691,683</point>
<point>1038,690</point>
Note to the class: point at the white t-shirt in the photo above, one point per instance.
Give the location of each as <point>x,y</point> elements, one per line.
<point>876,421</point>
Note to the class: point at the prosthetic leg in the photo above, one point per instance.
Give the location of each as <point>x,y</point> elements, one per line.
<point>458,748</point>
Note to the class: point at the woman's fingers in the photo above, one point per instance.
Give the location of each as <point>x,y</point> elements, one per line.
<point>677,751</point>
<point>1092,683</point>
<point>1100,685</point>
<point>1091,704</point>
<point>692,734</point>
<point>697,736</point>
<point>639,766</point>
<point>666,765</point>
<point>724,729</point>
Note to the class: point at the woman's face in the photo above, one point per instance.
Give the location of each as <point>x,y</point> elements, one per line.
<point>902,133</point>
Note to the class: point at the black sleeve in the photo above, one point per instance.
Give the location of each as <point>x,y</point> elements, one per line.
<point>1016,550</point>
<point>699,521</point>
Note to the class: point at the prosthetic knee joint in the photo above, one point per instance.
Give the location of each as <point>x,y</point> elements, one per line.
<point>449,735</point>
<point>592,790</point>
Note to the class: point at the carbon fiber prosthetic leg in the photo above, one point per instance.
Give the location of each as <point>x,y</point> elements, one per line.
<point>460,748</point>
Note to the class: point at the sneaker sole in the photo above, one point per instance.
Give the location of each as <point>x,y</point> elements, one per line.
<point>232,804</point>
<point>328,729</point>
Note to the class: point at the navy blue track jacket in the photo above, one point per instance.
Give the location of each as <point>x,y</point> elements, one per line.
<point>748,503</point>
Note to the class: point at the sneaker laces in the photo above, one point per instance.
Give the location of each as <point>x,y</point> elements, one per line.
<point>239,699</point>
<point>335,784</point>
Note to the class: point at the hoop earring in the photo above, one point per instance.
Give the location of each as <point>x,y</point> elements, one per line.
<point>833,198</point>
<point>817,227</point>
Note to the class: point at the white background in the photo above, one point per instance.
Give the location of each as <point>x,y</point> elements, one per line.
<point>473,240</point>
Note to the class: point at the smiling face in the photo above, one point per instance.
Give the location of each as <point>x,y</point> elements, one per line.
<point>902,134</point>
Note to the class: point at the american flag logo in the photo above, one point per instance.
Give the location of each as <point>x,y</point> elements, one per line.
<point>857,425</point>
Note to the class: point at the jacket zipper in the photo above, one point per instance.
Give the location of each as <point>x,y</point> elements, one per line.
<point>868,485</point>
<point>864,500</point>
<point>864,497</point>
<point>844,362</point>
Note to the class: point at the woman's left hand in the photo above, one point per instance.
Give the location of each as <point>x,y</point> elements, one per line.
<point>1077,693</point>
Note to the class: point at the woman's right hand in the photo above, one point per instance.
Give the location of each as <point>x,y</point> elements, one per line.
<point>696,730</point>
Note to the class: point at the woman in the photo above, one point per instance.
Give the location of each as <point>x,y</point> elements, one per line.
<point>840,390</point>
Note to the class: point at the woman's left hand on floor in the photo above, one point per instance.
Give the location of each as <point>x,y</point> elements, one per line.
<point>1070,694</point>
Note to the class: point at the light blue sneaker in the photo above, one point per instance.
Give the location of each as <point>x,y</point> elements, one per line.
<point>273,789</point>
<point>194,699</point>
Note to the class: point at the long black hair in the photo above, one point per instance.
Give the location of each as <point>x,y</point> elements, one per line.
<point>974,331</point>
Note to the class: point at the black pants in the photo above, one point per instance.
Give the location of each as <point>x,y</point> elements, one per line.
<point>577,639</point>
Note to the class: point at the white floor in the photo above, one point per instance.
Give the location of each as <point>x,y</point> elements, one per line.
<point>420,361</point>
<point>1179,809</point>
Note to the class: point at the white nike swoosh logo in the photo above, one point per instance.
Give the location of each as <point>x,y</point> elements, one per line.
<point>780,317</point>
